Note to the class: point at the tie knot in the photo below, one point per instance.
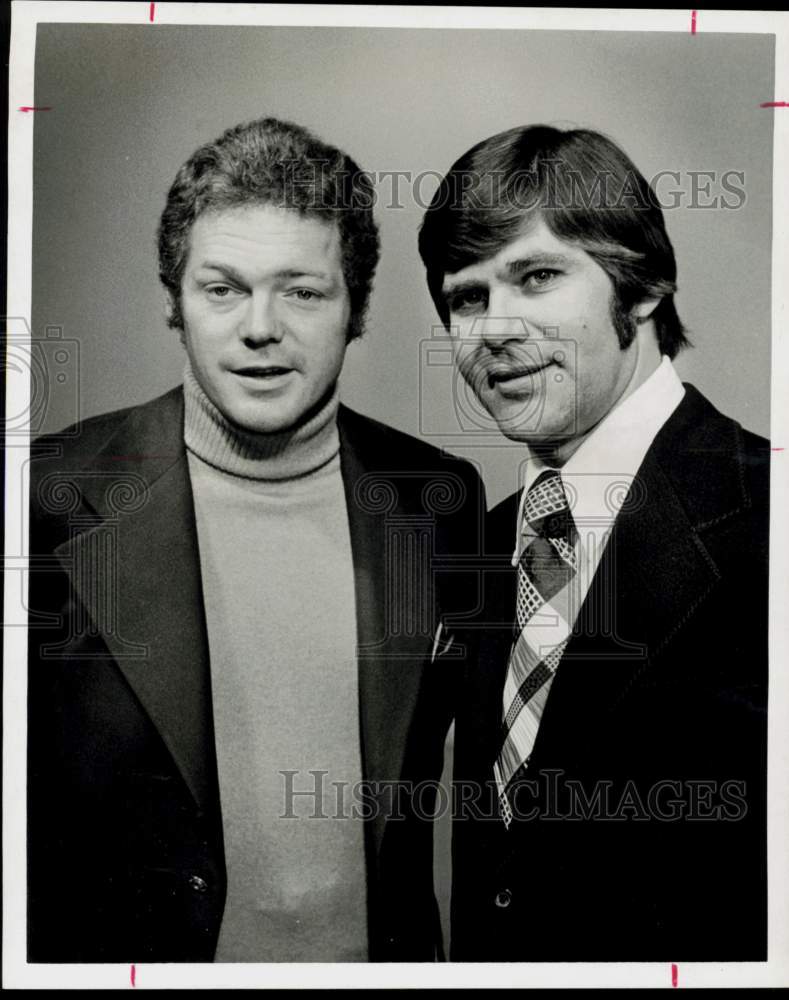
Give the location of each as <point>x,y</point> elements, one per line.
<point>545,511</point>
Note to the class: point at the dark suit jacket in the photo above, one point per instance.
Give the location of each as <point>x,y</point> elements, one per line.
<point>125,834</point>
<point>664,680</point>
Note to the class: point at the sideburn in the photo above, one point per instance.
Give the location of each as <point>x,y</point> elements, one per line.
<point>622,320</point>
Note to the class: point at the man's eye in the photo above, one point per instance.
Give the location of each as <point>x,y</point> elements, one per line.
<point>539,278</point>
<point>218,291</point>
<point>306,295</point>
<point>468,300</point>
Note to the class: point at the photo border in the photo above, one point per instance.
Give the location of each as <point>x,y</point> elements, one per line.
<point>17,972</point>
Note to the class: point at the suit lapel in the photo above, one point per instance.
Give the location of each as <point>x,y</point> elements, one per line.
<point>157,634</point>
<point>390,665</point>
<point>654,573</point>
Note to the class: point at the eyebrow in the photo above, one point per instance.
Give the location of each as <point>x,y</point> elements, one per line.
<point>289,272</point>
<point>515,268</point>
<point>512,269</point>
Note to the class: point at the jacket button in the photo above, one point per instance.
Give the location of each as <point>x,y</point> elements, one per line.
<point>197,883</point>
<point>503,899</point>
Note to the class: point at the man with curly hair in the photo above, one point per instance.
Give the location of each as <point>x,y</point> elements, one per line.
<point>227,717</point>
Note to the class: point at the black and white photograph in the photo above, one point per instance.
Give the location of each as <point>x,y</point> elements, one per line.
<point>396,437</point>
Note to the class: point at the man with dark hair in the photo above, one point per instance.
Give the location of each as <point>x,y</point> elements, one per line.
<point>230,693</point>
<point>610,747</point>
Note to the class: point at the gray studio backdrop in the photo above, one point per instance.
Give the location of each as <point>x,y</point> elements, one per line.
<point>129,105</point>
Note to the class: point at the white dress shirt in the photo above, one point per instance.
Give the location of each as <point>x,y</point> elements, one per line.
<point>597,478</point>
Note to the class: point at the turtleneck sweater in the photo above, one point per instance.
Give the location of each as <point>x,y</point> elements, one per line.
<point>278,588</point>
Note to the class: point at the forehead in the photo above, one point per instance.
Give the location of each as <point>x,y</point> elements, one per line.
<point>535,244</point>
<point>258,232</point>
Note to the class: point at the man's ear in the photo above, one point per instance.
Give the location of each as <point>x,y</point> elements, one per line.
<point>168,304</point>
<point>169,312</point>
<point>643,310</point>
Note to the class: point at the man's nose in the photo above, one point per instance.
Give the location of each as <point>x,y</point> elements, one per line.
<point>504,319</point>
<point>260,323</point>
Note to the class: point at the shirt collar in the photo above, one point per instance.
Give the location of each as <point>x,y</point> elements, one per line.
<point>598,475</point>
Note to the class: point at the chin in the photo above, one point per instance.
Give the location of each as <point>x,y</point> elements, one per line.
<point>532,438</point>
<point>260,423</point>
<point>538,434</point>
<point>269,426</point>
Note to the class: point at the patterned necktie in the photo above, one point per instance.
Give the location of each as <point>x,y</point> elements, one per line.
<point>546,570</point>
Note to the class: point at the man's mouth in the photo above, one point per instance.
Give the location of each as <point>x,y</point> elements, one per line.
<point>262,371</point>
<point>505,375</point>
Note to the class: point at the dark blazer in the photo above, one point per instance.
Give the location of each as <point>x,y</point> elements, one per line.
<point>125,834</point>
<point>658,706</point>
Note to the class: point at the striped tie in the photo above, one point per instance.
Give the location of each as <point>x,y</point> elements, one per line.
<point>546,570</point>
